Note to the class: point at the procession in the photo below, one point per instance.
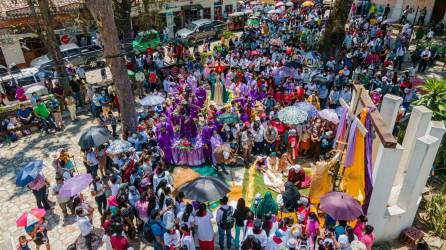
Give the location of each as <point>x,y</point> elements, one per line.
<point>254,141</point>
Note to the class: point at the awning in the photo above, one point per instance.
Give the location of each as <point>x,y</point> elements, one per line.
<point>192,7</point>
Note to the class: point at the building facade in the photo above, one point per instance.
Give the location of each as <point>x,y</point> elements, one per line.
<point>436,9</point>
<point>179,13</point>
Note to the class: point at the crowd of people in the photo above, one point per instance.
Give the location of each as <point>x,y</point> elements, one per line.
<point>251,78</point>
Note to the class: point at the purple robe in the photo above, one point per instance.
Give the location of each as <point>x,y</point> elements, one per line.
<point>165,143</point>
<point>188,128</point>
<point>200,93</point>
<point>206,134</point>
<point>168,126</point>
<point>216,141</point>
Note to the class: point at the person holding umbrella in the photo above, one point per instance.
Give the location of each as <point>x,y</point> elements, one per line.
<point>39,233</point>
<point>62,201</point>
<point>39,188</point>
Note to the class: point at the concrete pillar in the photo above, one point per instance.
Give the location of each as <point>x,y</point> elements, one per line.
<point>436,129</point>
<point>416,178</point>
<point>390,106</point>
<point>384,171</point>
<point>419,122</point>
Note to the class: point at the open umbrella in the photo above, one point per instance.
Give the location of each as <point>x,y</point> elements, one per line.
<point>38,89</point>
<point>329,115</point>
<point>340,206</point>
<point>283,20</point>
<point>390,21</point>
<point>204,189</point>
<point>292,115</point>
<point>307,4</point>
<point>118,146</point>
<point>289,4</point>
<point>29,173</point>
<point>94,137</point>
<point>31,217</point>
<point>131,73</point>
<point>228,118</point>
<point>307,107</point>
<point>152,100</point>
<point>75,185</point>
<point>278,4</point>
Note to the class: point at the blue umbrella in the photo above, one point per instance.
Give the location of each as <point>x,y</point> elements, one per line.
<point>283,20</point>
<point>29,173</point>
<point>307,107</point>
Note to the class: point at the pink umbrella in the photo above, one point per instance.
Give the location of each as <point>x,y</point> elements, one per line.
<point>340,206</point>
<point>31,217</point>
<point>329,115</point>
<point>75,185</point>
<point>279,4</point>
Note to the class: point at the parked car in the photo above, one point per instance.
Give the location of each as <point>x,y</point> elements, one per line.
<point>200,29</point>
<point>25,78</point>
<point>73,54</point>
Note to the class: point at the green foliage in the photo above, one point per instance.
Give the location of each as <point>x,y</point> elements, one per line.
<point>438,46</point>
<point>433,96</point>
<point>435,217</point>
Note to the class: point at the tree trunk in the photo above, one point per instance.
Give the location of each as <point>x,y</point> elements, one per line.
<point>51,43</point>
<point>122,10</point>
<point>102,12</point>
<point>334,33</point>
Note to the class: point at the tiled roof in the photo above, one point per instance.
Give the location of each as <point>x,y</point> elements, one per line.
<point>11,8</point>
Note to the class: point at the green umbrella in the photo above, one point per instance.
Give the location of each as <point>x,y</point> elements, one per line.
<point>228,118</point>
<point>253,21</point>
<point>292,115</point>
<point>130,74</point>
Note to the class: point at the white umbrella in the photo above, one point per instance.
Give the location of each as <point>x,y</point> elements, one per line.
<point>152,100</point>
<point>289,4</point>
<point>38,89</point>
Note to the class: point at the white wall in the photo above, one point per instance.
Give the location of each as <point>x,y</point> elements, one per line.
<point>13,53</point>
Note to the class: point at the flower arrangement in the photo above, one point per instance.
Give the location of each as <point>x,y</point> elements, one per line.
<point>184,144</point>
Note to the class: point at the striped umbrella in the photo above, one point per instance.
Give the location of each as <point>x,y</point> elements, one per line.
<point>31,217</point>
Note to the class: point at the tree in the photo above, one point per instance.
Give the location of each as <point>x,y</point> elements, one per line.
<point>433,96</point>
<point>122,10</point>
<point>50,39</point>
<point>334,33</point>
<point>102,12</point>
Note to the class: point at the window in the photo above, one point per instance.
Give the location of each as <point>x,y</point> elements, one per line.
<point>26,81</point>
<point>207,13</point>
<point>228,9</point>
<point>71,52</point>
<point>217,13</point>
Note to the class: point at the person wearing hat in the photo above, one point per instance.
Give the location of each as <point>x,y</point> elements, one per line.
<point>225,222</point>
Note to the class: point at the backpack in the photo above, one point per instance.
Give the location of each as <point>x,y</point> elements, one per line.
<point>227,220</point>
<point>147,230</point>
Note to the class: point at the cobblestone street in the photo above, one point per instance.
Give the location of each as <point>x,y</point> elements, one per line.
<point>16,200</point>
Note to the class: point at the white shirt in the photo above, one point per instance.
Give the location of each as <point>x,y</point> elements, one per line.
<point>189,222</point>
<point>115,188</point>
<point>91,158</point>
<point>107,242</point>
<point>262,237</point>
<point>205,232</point>
<point>172,239</point>
<point>84,225</point>
<point>188,241</point>
<point>139,76</point>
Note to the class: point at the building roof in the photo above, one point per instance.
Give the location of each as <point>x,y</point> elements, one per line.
<point>10,9</point>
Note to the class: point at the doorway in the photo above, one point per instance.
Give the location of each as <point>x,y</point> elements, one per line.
<point>438,11</point>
